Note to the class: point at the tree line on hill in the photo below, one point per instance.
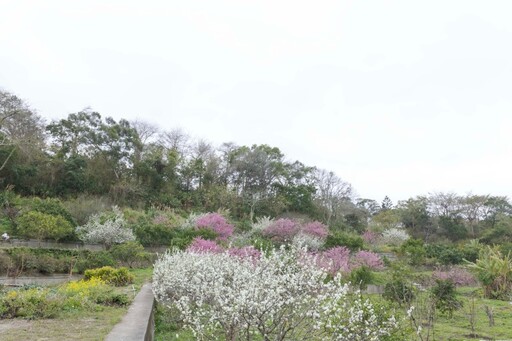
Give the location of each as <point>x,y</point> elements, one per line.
<point>137,164</point>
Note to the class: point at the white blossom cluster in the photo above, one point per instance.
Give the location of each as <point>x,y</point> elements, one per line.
<point>311,242</point>
<point>262,223</point>
<point>190,221</point>
<point>281,296</point>
<point>355,318</point>
<point>106,231</point>
<point>394,236</point>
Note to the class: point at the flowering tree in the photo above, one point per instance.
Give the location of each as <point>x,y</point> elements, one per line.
<point>281,296</point>
<point>394,236</point>
<point>217,223</point>
<point>370,237</point>
<point>368,259</point>
<point>334,260</point>
<point>245,252</point>
<point>311,242</point>
<point>459,277</point>
<point>262,223</point>
<point>315,229</point>
<point>281,230</point>
<point>106,230</point>
<point>200,245</point>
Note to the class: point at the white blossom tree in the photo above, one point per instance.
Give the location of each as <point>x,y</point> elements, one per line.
<point>280,296</point>
<point>107,230</point>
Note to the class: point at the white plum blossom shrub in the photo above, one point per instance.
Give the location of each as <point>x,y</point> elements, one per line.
<point>282,295</point>
<point>190,221</point>
<point>106,230</point>
<point>394,236</point>
<point>312,243</point>
<point>262,223</point>
<point>354,318</point>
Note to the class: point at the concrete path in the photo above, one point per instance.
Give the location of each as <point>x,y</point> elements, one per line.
<point>138,324</point>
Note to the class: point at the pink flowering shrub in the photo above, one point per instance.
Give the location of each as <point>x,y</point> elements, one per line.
<point>200,245</point>
<point>459,277</point>
<point>316,229</point>
<point>367,258</point>
<point>160,219</point>
<point>217,223</point>
<point>281,230</point>
<point>245,252</point>
<point>334,260</point>
<point>370,237</point>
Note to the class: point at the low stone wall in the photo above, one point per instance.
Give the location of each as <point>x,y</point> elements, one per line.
<point>50,245</point>
<point>72,246</point>
<point>139,322</point>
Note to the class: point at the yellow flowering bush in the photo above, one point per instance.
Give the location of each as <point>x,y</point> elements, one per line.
<point>30,303</point>
<point>94,290</point>
<point>112,276</point>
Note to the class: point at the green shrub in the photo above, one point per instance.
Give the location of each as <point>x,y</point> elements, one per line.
<point>52,207</point>
<point>444,295</point>
<point>85,206</point>
<point>361,277</point>
<point>399,288</point>
<point>129,253</point>
<point>184,237</point>
<point>414,250</point>
<point>117,277</point>
<point>351,241</point>
<point>263,244</point>
<point>112,298</point>
<point>451,256</point>
<point>5,262</point>
<point>31,304</point>
<point>445,254</point>
<point>494,270</point>
<point>399,291</point>
<point>44,261</point>
<point>41,226</point>
<point>158,227</point>
<point>95,259</point>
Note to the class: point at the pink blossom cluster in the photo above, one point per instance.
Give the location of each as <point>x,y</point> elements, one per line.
<point>200,245</point>
<point>245,252</point>
<point>370,237</point>
<point>339,259</point>
<point>217,223</point>
<point>160,219</point>
<point>334,260</point>
<point>281,230</point>
<point>367,258</point>
<point>459,277</point>
<point>315,229</point>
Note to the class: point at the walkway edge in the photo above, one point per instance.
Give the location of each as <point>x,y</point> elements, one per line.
<point>138,324</point>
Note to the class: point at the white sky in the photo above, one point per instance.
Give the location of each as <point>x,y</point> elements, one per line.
<point>399,98</point>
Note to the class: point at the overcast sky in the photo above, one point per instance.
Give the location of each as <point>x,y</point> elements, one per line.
<point>399,98</point>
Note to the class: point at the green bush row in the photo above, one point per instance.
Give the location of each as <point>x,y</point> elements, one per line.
<point>14,261</point>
